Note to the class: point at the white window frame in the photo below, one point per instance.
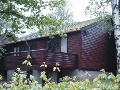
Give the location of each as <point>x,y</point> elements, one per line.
<point>64,45</point>
<point>16,51</point>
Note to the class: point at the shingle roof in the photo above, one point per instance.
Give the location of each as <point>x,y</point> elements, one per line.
<point>70,28</point>
<point>3,40</point>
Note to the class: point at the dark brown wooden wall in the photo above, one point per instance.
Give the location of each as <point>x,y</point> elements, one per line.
<point>74,46</point>
<point>73,43</point>
<point>94,48</point>
<point>41,43</point>
<point>98,49</point>
<point>2,71</point>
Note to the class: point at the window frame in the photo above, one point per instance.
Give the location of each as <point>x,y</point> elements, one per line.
<point>32,44</point>
<point>16,51</point>
<point>53,42</point>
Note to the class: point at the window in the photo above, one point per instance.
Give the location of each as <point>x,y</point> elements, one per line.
<point>64,45</point>
<point>32,45</point>
<point>16,51</point>
<point>53,45</point>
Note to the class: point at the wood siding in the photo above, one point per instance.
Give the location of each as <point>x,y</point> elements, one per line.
<point>65,60</point>
<point>94,48</point>
<point>98,49</point>
<point>73,43</point>
<point>41,43</point>
<point>74,46</point>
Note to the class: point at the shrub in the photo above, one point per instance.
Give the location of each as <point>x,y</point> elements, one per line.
<point>101,82</point>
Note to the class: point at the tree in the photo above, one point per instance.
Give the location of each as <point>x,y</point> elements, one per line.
<point>63,13</point>
<point>16,15</point>
<point>115,14</point>
<point>98,8</point>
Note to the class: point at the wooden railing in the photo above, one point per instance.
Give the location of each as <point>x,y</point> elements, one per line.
<point>65,60</point>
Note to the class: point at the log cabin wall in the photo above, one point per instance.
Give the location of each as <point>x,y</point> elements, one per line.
<point>10,47</point>
<point>41,43</point>
<point>66,60</point>
<point>74,46</point>
<point>98,49</point>
<point>73,43</point>
<point>94,49</point>
<point>38,44</point>
<point>2,71</point>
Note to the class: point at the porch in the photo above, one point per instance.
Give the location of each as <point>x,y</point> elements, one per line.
<point>65,60</point>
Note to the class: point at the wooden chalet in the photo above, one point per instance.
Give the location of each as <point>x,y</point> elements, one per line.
<point>86,47</point>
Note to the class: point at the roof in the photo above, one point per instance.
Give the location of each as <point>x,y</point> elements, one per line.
<point>74,27</point>
<point>3,40</point>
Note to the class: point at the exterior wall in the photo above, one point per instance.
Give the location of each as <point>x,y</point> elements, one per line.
<point>98,49</point>
<point>41,43</point>
<point>2,66</point>
<point>73,43</point>
<point>94,47</point>
<point>37,74</point>
<point>10,74</point>
<point>10,47</point>
<point>74,46</point>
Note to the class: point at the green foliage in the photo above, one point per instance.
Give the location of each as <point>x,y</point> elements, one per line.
<point>98,8</point>
<point>19,15</point>
<point>2,50</point>
<point>44,65</point>
<point>16,15</point>
<point>0,77</point>
<point>63,13</point>
<point>56,68</point>
<point>102,82</point>
<point>27,62</point>
<point>19,81</point>
<point>101,9</point>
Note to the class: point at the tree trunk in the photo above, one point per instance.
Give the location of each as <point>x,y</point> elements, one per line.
<point>115,16</point>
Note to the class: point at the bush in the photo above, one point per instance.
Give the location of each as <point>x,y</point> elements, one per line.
<point>101,82</point>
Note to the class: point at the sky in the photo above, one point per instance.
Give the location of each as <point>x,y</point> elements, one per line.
<point>78,9</point>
